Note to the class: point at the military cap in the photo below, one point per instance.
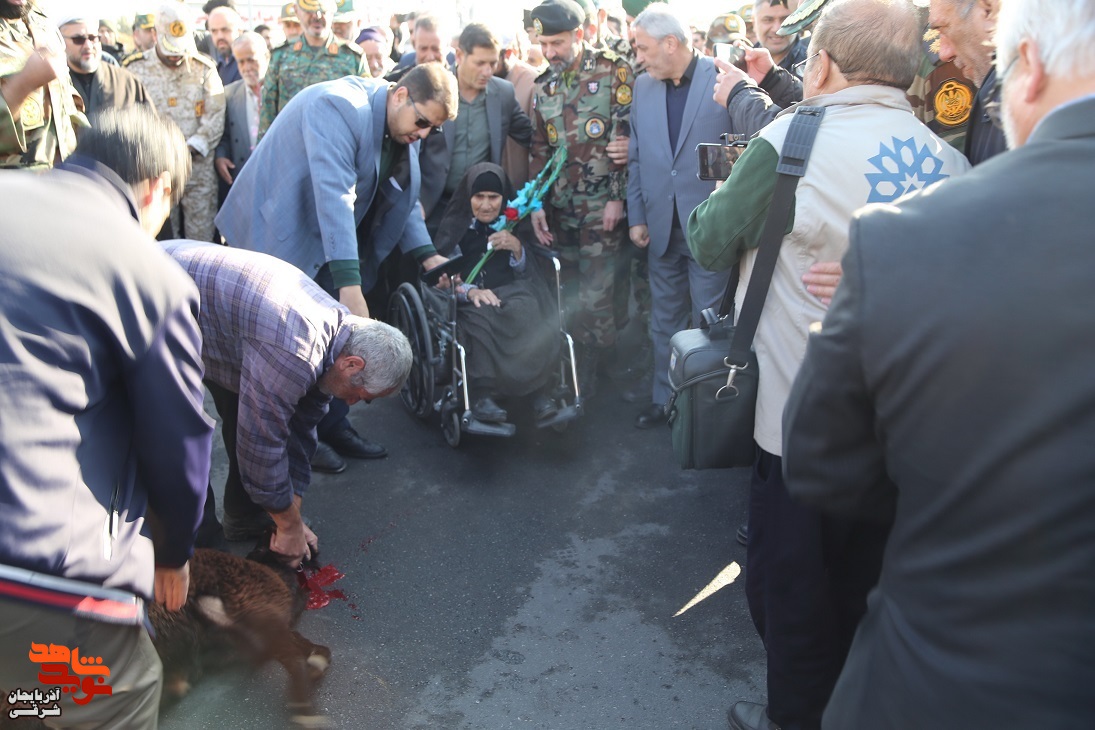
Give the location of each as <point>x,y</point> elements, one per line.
<point>804,15</point>
<point>344,11</point>
<point>634,7</point>
<point>109,24</point>
<point>726,28</point>
<point>288,13</point>
<point>557,16</point>
<point>144,21</point>
<point>527,18</point>
<point>175,30</point>
<point>314,6</point>
<point>746,12</point>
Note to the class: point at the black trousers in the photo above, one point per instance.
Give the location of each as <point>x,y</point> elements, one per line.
<point>236,500</point>
<point>807,578</point>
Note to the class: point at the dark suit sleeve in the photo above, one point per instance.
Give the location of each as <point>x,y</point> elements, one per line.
<point>224,147</point>
<point>172,435</point>
<point>520,126</point>
<point>832,456</point>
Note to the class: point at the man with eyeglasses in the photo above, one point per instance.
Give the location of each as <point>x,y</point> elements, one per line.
<point>333,189</point>
<point>102,85</point>
<point>38,104</point>
<point>317,55</point>
<point>808,574</point>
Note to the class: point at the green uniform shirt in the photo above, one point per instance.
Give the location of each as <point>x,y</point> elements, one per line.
<point>294,66</point>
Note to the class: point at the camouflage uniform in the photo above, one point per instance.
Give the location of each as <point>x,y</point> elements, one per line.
<point>296,65</point>
<point>584,109</point>
<point>942,98</point>
<point>192,95</point>
<point>45,130</point>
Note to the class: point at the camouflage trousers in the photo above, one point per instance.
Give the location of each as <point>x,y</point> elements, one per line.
<point>589,258</point>
<point>199,201</point>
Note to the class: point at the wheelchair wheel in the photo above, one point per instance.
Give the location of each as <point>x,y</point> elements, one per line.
<point>406,313</point>
<point>450,423</point>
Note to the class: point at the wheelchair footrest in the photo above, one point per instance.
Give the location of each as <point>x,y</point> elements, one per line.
<point>471,424</point>
<point>564,414</point>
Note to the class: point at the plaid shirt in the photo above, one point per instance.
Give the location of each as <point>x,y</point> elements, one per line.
<point>269,333</point>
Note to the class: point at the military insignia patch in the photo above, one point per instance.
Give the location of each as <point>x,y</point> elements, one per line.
<point>551,87</point>
<point>953,103</point>
<point>333,49</point>
<point>172,101</point>
<point>595,128</point>
<point>593,86</point>
<point>177,29</point>
<point>538,26</point>
<point>31,114</point>
<point>623,94</point>
<point>552,133</point>
<point>199,108</point>
<point>588,63</point>
<point>621,74</point>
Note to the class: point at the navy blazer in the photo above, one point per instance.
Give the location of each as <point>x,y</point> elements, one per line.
<point>235,143</point>
<point>314,176</point>
<point>505,118</point>
<point>658,174</point>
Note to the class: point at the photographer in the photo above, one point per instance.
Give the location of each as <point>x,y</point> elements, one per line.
<point>808,574</point>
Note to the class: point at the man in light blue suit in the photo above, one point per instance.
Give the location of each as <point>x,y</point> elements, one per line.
<point>672,111</point>
<point>333,188</point>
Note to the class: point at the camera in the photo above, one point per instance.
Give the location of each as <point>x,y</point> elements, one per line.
<point>717,160</point>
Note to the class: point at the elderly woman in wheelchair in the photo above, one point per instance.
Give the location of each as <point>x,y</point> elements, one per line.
<point>503,327</point>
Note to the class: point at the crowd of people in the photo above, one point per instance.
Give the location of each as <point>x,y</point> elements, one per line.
<point>918,542</point>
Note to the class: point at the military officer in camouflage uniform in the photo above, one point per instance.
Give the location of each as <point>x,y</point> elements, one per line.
<point>317,55</point>
<point>184,85</point>
<point>38,108</point>
<point>144,36</point>
<point>582,102</point>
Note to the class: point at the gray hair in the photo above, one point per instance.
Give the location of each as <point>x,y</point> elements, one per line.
<point>385,350</point>
<point>1063,31</point>
<point>659,21</point>
<point>872,41</point>
<point>253,39</point>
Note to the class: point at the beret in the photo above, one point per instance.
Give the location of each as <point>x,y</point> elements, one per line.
<point>557,16</point>
<point>634,7</point>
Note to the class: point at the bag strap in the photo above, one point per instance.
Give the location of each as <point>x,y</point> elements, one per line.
<point>792,166</point>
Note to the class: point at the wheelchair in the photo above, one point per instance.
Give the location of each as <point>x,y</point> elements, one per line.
<point>437,383</point>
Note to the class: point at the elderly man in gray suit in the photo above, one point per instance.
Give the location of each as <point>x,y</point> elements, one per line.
<point>672,111</point>
<point>952,377</point>
<point>489,114</point>
<point>243,107</point>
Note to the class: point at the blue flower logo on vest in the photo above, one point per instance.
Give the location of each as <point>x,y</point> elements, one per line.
<point>902,168</point>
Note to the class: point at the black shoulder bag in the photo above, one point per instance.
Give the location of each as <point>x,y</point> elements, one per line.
<point>713,368</point>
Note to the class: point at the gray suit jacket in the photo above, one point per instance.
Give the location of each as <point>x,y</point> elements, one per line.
<point>953,376</point>
<point>235,144</point>
<point>505,119</point>
<point>314,176</point>
<point>657,174</point>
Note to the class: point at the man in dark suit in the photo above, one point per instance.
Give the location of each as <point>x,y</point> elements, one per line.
<point>243,107</point>
<point>342,154</point>
<point>101,85</point>
<point>953,377</point>
<point>671,113</point>
<point>489,114</point>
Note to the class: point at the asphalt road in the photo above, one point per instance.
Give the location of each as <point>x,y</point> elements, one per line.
<point>528,582</point>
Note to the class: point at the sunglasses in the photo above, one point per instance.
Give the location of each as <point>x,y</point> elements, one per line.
<point>82,39</point>
<point>420,120</point>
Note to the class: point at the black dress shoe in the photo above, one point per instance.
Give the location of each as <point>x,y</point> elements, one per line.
<point>247,527</point>
<point>487,411</point>
<point>749,716</point>
<point>352,445</point>
<point>544,407</point>
<point>327,461</point>
<point>639,390</point>
<point>743,535</point>
<point>651,416</point>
